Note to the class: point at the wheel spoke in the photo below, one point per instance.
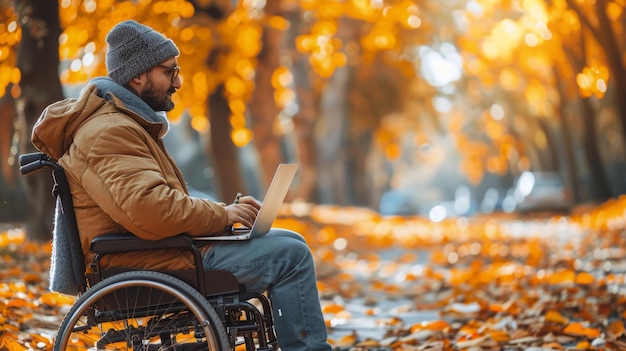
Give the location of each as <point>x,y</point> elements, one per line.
<point>142,311</point>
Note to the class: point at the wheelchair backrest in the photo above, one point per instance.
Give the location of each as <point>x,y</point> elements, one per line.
<point>35,161</point>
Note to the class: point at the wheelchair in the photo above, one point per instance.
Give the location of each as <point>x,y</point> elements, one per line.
<point>136,309</point>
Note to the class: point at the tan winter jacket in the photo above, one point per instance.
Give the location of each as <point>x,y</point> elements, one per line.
<point>122,179</point>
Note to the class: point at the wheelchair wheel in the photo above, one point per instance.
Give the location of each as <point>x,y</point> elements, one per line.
<point>142,310</point>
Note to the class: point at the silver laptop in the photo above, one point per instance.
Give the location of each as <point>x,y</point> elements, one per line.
<point>269,209</point>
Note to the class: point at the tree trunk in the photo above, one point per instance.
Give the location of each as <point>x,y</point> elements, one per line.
<point>226,159</point>
<point>601,188</point>
<point>306,117</point>
<point>331,140</point>
<point>38,61</point>
<point>601,28</point>
<point>571,169</point>
<point>225,155</point>
<point>263,107</point>
<point>13,206</point>
<point>550,156</point>
<point>614,56</point>
<point>7,116</point>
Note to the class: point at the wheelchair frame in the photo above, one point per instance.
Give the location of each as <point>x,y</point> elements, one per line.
<point>152,308</point>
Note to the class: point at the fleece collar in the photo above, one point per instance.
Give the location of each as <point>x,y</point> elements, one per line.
<point>107,88</point>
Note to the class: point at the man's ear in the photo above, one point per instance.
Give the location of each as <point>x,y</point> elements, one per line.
<point>138,79</point>
<point>136,83</point>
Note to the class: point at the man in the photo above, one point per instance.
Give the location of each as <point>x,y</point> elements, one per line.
<point>122,179</point>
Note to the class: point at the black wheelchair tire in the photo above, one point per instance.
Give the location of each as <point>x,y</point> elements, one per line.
<point>188,308</point>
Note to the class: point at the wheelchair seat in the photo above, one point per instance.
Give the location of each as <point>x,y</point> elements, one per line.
<point>207,282</point>
<point>136,309</point>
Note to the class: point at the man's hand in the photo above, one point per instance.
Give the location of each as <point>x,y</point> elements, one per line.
<point>244,212</point>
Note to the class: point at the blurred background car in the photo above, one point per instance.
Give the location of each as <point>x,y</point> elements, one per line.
<point>542,191</point>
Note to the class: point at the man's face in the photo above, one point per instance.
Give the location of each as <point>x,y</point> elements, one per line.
<point>161,82</point>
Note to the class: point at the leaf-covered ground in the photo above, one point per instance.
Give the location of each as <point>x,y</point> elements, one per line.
<point>497,282</point>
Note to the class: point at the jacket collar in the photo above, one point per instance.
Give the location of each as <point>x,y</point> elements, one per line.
<point>126,100</point>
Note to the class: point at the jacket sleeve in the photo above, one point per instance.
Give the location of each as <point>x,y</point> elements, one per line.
<point>133,179</point>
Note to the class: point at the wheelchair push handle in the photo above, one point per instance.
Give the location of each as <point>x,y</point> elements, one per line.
<point>34,161</point>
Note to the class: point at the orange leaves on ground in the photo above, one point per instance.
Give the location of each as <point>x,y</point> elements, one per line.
<point>333,308</point>
<point>460,276</point>
<point>555,317</point>
<point>585,278</point>
<point>578,329</point>
<point>39,342</point>
<point>492,290</point>
<point>31,278</point>
<point>14,271</point>
<point>551,346</point>
<point>571,277</point>
<point>346,340</point>
<point>616,328</point>
<point>458,308</point>
<point>499,336</point>
<point>56,299</point>
<point>448,286</point>
<point>12,237</point>
<point>26,307</point>
<point>12,289</point>
<point>368,343</point>
<point>407,257</point>
<point>10,342</point>
<point>565,276</point>
<point>438,325</point>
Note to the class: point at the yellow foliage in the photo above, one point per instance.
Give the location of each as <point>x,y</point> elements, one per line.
<point>503,39</point>
<point>245,69</point>
<point>325,9</point>
<point>241,136</point>
<point>473,170</point>
<point>237,107</point>
<point>278,22</point>
<point>235,86</point>
<point>509,79</point>
<point>393,151</point>
<point>614,10</point>
<point>200,123</point>
<point>237,121</point>
<point>281,77</point>
<point>248,40</point>
<point>381,38</point>
<point>497,165</point>
<point>521,45</point>
<point>593,80</point>
<point>284,97</point>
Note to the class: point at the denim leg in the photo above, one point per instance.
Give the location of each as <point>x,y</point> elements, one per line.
<point>281,264</point>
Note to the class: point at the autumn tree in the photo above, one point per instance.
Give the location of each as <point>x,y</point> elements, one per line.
<point>33,84</point>
<point>349,89</point>
<point>555,57</point>
<point>9,75</point>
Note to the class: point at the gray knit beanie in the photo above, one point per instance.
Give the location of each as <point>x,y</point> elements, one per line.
<point>134,48</point>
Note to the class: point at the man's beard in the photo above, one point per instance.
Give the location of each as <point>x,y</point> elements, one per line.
<point>156,102</point>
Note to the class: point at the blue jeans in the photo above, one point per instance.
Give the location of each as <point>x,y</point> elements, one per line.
<point>281,264</point>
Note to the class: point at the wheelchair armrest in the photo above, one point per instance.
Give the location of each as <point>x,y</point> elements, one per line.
<point>119,243</point>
